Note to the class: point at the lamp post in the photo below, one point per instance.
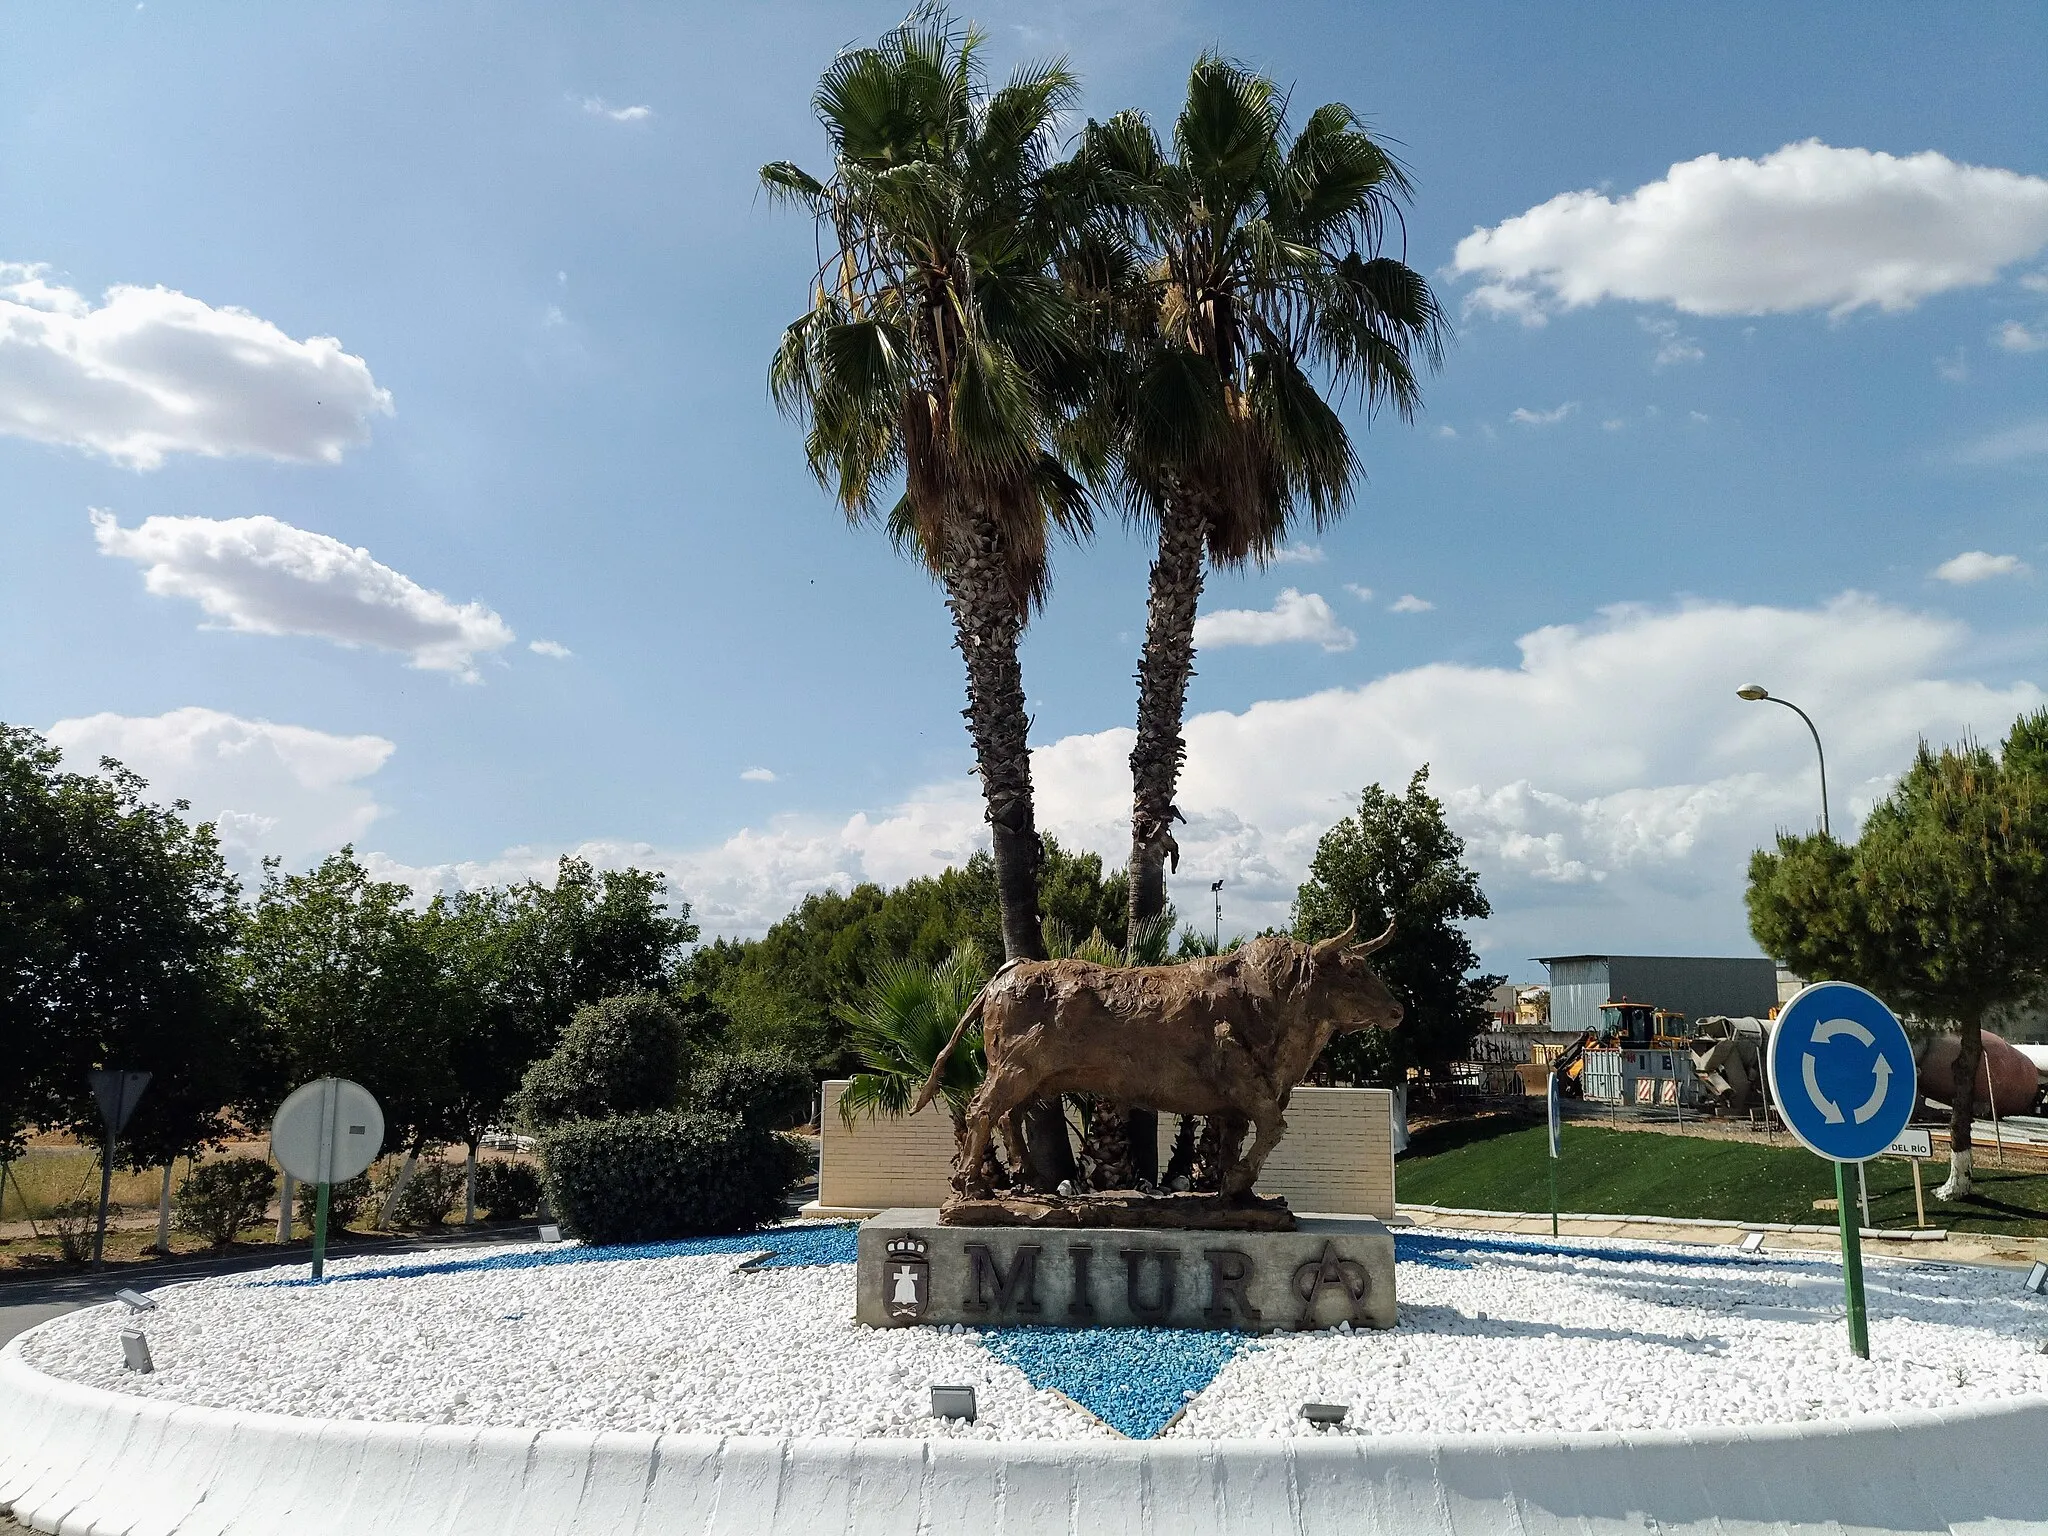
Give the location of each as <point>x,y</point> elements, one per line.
<point>1755,692</point>
<point>1216,894</point>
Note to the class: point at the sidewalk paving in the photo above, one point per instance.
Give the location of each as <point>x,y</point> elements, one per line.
<point>1949,1248</point>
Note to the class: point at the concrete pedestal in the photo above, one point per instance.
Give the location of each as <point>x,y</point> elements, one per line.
<point>1331,1269</point>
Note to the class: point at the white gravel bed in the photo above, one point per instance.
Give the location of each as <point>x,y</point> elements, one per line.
<point>1533,1342</point>
<point>1536,1343</point>
<point>680,1344</point>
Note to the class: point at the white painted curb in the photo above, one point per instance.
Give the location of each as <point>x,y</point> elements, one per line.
<point>84,1462</point>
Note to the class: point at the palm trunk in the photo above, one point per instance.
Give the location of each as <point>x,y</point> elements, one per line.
<point>1126,1147</point>
<point>1164,667</point>
<point>1962,1109</point>
<point>987,625</point>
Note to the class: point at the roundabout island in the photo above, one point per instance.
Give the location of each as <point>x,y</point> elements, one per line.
<point>723,1384</point>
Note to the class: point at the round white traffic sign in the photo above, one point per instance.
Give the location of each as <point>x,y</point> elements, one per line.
<point>327,1131</point>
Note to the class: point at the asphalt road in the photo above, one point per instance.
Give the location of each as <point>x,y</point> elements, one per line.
<point>24,1303</point>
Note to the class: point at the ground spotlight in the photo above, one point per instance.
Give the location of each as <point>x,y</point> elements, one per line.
<point>136,1301</point>
<point>2037,1279</point>
<point>135,1351</point>
<point>1753,1243</point>
<point>953,1403</point>
<point>1325,1414</point>
<point>551,1234</point>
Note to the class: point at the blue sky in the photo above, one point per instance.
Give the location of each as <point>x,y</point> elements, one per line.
<point>1728,421</point>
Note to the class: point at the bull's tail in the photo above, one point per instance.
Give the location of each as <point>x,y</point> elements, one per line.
<point>931,1084</point>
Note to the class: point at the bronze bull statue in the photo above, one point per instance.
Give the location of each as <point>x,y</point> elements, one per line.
<point>1227,1036</point>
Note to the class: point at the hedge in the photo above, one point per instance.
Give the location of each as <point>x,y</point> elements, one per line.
<point>648,1178</point>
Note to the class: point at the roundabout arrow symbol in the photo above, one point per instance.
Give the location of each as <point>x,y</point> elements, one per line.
<point>1830,1028</point>
<point>1876,1100</point>
<point>1829,1110</point>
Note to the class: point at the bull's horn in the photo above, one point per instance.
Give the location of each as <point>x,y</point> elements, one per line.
<point>1379,943</point>
<point>1331,946</point>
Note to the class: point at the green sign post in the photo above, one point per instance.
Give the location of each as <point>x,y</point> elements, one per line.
<point>1843,1076</point>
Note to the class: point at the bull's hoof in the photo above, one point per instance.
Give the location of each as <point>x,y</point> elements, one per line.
<point>1121,1208</point>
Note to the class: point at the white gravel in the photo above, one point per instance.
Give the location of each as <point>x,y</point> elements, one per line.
<point>1516,1342</point>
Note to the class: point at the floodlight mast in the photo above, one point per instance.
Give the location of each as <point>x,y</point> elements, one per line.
<point>1757,693</point>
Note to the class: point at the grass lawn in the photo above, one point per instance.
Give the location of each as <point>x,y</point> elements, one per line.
<point>1492,1164</point>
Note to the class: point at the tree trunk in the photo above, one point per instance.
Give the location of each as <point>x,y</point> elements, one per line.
<point>1962,1109</point>
<point>1164,667</point>
<point>163,1214</point>
<point>469,1189</point>
<point>1127,1146</point>
<point>987,624</point>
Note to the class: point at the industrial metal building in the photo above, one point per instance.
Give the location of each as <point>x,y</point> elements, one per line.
<point>1696,986</point>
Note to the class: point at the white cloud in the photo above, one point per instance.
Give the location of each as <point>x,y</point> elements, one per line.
<point>2028,440</point>
<point>1408,602</point>
<point>1671,346</point>
<point>1363,594</point>
<point>1612,424</point>
<point>1446,430</point>
<point>2015,337</point>
<point>1955,367</point>
<point>553,648</point>
<point>151,371</point>
<point>759,775</point>
<point>1550,418</point>
<point>1294,616</point>
<point>1640,845</point>
<point>2035,282</point>
<point>272,789</point>
<point>1809,226</point>
<point>266,577</point>
<point>597,106</point>
<point>1974,565</point>
<point>1298,554</point>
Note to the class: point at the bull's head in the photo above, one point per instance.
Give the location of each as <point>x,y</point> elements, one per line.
<point>1355,996</point>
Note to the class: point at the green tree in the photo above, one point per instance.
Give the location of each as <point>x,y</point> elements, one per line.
<point>789,989</point>
<point>901,1023</point>
<point>1235,273</point>
<point>1395,860</point>
<point>1940,907</point>
<point>590,935</point>
<point>117,927</point>
<point>345,982</point>
<point>940,346</point>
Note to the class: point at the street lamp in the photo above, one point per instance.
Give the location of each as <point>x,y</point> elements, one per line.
<point>1216,892</point>
<point>1755,692</point>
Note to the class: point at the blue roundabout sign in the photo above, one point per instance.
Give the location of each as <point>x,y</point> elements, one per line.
<point>1842,1072</point>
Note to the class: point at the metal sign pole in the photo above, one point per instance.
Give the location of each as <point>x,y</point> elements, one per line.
<point>1919,1199</point>
<point>99,1236</point>
<point>1556,1146</point>
<point>1852,1266</point>
<point>328,1104</point>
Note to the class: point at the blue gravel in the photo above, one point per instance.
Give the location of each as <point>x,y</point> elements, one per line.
<point>1133,1379</point>
<point>787,1247</point>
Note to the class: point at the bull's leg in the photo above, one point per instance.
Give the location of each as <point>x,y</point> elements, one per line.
<point>981,1125</point>
<point>995,1103</point>
<point>1271,1125</point>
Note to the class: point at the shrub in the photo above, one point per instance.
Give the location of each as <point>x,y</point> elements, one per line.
<point>622,1056</point>
<point>429,1195</point>
<point>220,1198</point>
<point>763,1088</point>
<point>507,1190</point>
<point>346,1202</point>
<point>74,1223</point>
<point>646,1178</point>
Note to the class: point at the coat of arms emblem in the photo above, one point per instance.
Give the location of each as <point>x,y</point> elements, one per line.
<point>907,1279</point>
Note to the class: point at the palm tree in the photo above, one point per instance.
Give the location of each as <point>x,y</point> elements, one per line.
<point>901,1023</point>
<point>1258,265</point>
<point>940,346</point>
